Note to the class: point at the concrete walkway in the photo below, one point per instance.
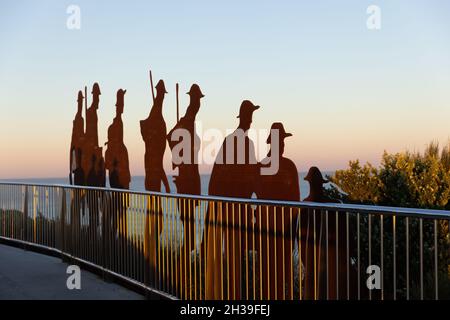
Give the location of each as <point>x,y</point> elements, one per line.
<point>29,275</point>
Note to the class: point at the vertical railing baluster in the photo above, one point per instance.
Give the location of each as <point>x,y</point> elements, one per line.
<point>194,245</point>
<point>348,253</point>
<point>436,275</point>
<point>227,243</point>
<point>267,276</point>
<point>315,254</point>
<point>261,275</point>
<point>337,256</point>
<point>358,255</point>
<point>407,257</point>
<point>394,258</point>
<point>382,256</point>
<point>300,262</point>
<point>370,247</point>
<point>421,257</point>
<point>327,252</point>
<point>254,253</point>
<point>245,232</point>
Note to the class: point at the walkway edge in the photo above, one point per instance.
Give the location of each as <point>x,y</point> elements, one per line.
<point>105,274</point>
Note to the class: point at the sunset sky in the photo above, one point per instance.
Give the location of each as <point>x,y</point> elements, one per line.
<point>344,91</point>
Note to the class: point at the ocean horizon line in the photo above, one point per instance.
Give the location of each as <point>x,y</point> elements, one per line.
<point>138,182</point>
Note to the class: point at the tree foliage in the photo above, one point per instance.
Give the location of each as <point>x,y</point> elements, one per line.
<point>419,180</point>
<point>405,179</point>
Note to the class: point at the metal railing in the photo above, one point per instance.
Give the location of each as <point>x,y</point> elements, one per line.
<point>202,247</point>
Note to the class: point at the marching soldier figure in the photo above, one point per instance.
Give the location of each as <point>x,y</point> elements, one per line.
<point>117,150</point>
<point>91,141</point>
<point>93,160</point>
<point>91,116</point>
<point>336,246</point>
<point>282,185</point>
<point>154,133</point>
<point>76,144</point>
<point>188,179</point>
<point>77,174</point>
<point>117,164</point>
<point>235,174</point>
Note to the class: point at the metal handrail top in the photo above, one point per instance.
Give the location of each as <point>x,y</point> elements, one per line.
<point>351,208</point>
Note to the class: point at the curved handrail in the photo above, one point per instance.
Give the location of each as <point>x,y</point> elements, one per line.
<point>345,207</point>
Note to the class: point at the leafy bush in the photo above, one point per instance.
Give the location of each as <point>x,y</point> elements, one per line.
<point>416,180</point>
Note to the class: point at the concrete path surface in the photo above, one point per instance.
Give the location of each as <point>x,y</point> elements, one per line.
<point>28,275</point>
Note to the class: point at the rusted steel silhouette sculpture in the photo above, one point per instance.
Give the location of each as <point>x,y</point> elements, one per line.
<point>316,182</point>
<point>116,155</point>
<point>77,144</point>
<point>154,133</point>
<point>237,174</point>
<point>117,164</point>
<point>188,179</point>
<point>93,162</point>
<point>92,159</point>
<point>234,174</point>
<point>278,225</point>
<point>77,175</point>
<point>317,289</point>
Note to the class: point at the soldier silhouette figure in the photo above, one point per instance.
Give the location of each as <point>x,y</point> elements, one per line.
<point>77,141</point>
<point>154,133</point>
<point>336,246</point>
<point>117,164</point>
<point>188,179</point>
<point>93,161</point>
<point>283,185</point>
<point>316,182</point>
<point>77,175</point>
<point>234,174</point>
<point>117,151</point>
<point>91,140</point>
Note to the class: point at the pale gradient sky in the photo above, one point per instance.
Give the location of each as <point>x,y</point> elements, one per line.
<point>345,92</point>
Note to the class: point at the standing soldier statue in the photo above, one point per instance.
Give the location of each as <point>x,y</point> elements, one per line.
<point>76,175</point>
<point>154,133</point>
<point>313,221</point>
<point>117,150</point>
<point>92,160</point>
<point>93,157</point>
<point>116,162</point>
<point>188,179</point>
<point>279,231</point>
<point>235,174</point>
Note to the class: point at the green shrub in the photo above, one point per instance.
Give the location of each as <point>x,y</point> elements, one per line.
<point>415,180</point>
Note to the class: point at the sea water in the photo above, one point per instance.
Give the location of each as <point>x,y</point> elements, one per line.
<point>138,183</point>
